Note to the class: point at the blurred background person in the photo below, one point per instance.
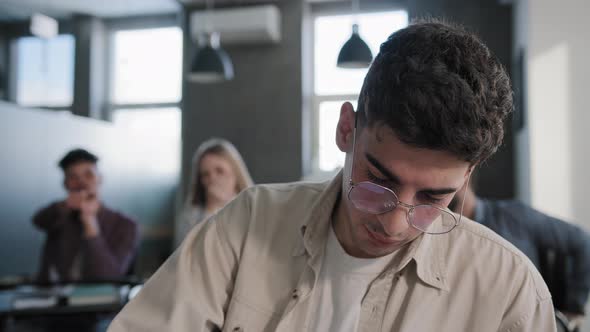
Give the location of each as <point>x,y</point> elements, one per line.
<point>560,250</point>
<point>218,174</point>
<point>85,240</point>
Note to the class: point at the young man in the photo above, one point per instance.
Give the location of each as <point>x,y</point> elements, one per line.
<point>85,239</point>
<point>376,249</point>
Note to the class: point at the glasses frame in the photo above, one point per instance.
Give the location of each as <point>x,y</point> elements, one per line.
<point>409,207</point>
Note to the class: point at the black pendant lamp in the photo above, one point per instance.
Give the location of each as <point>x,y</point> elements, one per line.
<point>355,53</point>
<point>211,63</point>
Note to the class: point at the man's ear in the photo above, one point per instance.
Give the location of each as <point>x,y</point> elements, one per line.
<point>469,176</point>
<point>345,128</point>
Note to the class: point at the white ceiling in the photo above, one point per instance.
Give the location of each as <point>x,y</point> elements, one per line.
<point>244,2</point>
<point>227,2</point>
<point>14,10</point>
<point>21,9</point>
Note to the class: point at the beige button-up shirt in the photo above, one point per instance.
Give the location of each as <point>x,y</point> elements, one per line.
<point>254,265</point>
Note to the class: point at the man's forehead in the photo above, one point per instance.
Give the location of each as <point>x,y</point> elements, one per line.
<point>81,166</point>
<point>384,138</point>
<point>379,133</point>
<point>409,163</point>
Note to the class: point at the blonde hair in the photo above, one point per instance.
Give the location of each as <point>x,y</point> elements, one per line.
<point>225,149</point>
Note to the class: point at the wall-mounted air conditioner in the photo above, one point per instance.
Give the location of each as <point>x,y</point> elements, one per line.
<point>244,25</point>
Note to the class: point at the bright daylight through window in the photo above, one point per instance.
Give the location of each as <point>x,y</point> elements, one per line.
<point>146,90</point>
<point>45,71</point>
<point>333,85</point>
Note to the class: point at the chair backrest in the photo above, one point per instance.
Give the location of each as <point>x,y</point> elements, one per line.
<point>563,323</point>
<point>555,268</point>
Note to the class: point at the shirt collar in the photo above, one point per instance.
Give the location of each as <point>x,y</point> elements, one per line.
<point>299,248</point>
<point>430,257</point>
<point>314,231</point>
<point>428,251</point>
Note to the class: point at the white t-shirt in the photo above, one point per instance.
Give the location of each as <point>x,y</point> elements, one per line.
<point>342,283</point>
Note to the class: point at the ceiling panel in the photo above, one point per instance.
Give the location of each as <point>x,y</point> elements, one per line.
<point>226,3</point>
<point>22,9</point>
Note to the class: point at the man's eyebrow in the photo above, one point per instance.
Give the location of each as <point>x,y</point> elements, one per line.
<point>438,192</point>
<point>395,179</point>
<point>388,174</point>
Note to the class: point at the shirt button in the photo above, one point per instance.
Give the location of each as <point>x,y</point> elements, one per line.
<point>295,294</point>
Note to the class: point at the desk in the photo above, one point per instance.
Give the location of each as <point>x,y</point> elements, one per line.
<point>71,307</point>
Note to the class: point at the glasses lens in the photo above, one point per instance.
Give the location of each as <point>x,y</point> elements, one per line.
<point>371,198</point>
<point>432,220</point>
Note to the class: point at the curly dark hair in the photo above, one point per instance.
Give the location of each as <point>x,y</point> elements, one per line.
<point>76,156</point>
<point>437,86</point>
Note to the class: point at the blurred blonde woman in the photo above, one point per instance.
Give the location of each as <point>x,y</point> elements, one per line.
<point>218,174</point>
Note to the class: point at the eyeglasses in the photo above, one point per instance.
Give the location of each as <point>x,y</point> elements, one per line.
<point>372,198</point>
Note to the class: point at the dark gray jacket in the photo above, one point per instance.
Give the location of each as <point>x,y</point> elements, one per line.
<point>560,250</point>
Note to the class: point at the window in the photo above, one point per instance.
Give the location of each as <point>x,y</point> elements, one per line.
<point>147,66</point>
<point>145,92</point>
<point>44,71</point>
<point>332,85</point>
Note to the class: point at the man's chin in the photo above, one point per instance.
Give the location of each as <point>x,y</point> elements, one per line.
<point>379,240</point>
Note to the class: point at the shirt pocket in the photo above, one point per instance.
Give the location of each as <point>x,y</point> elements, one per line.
<point>244,317</point>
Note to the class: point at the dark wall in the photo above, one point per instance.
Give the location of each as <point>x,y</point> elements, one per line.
<point>134,181</point>
<point>3,64</point>
<point>493,23</point>
<point>260,110</point>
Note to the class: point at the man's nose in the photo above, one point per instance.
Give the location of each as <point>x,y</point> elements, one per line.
<point>394,222</point>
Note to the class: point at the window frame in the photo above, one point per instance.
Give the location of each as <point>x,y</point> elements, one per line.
<point>11,90</point>
<point>322,10</point>
<point>137,23</point>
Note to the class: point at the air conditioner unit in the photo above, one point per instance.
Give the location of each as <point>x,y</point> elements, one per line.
<point>244,25</point>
